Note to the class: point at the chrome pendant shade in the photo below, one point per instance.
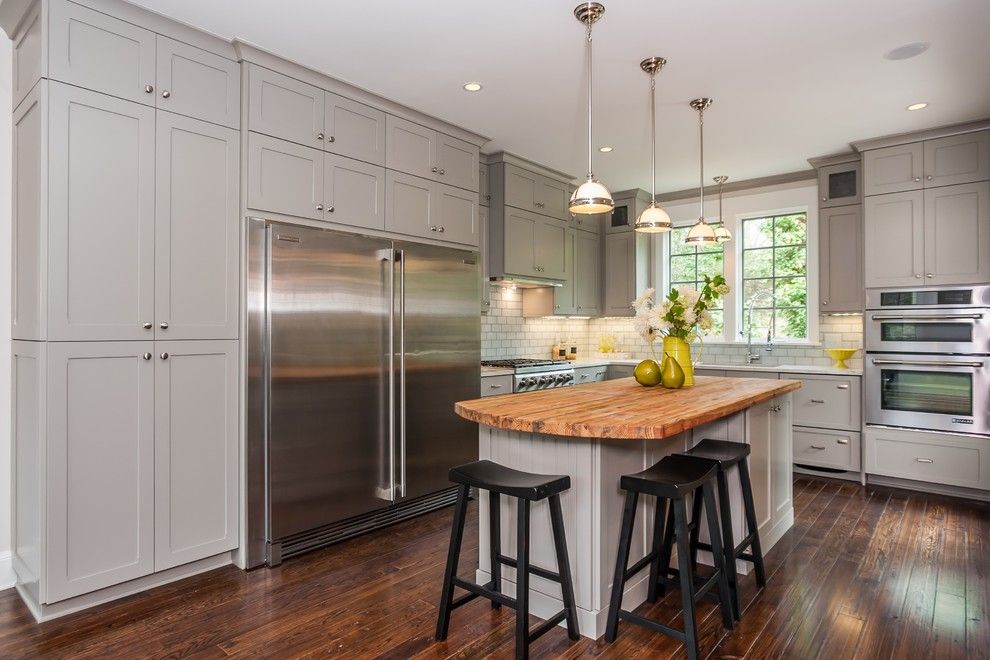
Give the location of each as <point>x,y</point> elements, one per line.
<point>701,233</point>
<point>653,219</point>
<point>722,235</point>
<point>591,196</point>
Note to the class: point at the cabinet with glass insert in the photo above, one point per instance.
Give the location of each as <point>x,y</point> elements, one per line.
<point>840,233</point>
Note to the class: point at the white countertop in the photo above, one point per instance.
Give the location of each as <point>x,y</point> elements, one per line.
<point>775,368</point>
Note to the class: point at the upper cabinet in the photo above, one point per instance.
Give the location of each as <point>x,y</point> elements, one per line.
<point>942,161</point>
<point>424,152</point>
<point>894,169</point>
<point>353,130</point>
<point>484,191</point>
<point>198,84</point>
<point>840,259</point>
<point>426,209</point>
<point>839,185</point>
<point>535,192</point>
<point>286,108</point>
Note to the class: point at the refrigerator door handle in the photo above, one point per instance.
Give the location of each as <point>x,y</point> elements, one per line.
<point>401,259</point>
<point>388,492</point>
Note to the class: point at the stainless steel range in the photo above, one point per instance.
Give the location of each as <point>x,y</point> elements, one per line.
<point>531,375</point>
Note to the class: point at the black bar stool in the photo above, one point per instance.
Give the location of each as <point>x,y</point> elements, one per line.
<point>526,488</point>
<point>671,479</point>
<point>726,454</point>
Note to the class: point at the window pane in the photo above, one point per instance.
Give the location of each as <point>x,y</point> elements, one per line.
<point>758,263</point>
<point>682,268</point>
<point>790,261</point>
<point>790,292</point>
<point>759,290</point>
<point>790,229</point>
<point>677,244</point>
<point>758,232</point>
<point>710,264</point>
<point>791,323</point>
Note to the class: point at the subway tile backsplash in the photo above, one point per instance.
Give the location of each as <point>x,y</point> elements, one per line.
<point>505,333</point>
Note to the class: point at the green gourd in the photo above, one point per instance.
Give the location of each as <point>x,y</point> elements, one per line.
<point>671,373</point>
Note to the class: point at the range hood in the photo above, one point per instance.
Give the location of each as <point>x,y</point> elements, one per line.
<point>523,282</point>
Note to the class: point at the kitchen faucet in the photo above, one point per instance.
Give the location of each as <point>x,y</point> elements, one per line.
<point>752,357</point>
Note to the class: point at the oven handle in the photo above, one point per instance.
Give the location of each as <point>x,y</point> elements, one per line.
<point>927,363</point>
<point>933,317</point>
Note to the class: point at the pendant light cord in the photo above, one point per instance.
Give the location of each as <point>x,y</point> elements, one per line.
<point>701,177</point>
<point>590,70</point>
<point>653,136</point>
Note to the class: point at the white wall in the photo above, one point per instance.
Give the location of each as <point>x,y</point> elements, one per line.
<point>5,302</point>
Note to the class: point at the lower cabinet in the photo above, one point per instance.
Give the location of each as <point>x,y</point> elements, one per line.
<point>770,463</point>
<point>492,385</point>
<point>619,371</point>
<point>826,448</point>
<point>942,458</point>
<point>583,375</point>
<point>132,448</point>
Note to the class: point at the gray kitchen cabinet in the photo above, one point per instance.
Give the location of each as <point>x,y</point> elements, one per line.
<point>826,401</point>
<point>493,385</point>
<point>894,239</point>
<point>614,371</point>
<point>411,148</point>
<point>565,297</point>
<point>826,448</point>
<point>549,249</point>
<point>101,205</point>
<point>893,169</point>
<point>584,375</point>
<point>457,214</point>
<point>589,223</point>
<point>588,273</point>
<point>284,177</point>
<point>484,191</point>
<point>100,511</point>
<point>944,458</point>
<point>957,234</point>
<point>771,496</point>
<point>196,229</point>
<point>198,84</point>
<point>286,108</point>
<point>457,162</point>
<point>353,192</point>
<point>30,216</point>
<point>29,61</point>
<point>957,159</point>
<point>839,185</point>
<point>552,198</point>
<point>535,192</point>
<point>409,204</point>
<point>353,130</point>
<point>840,259</point>
<point>195,450</point>
<point>626,259</point>
<point>95,51</point>
<point>520,242</point>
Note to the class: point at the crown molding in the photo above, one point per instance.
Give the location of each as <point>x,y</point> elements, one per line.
<point>917,136</point>
<point>737,186</point>
<point>834,159</point>
<point>525,163</point>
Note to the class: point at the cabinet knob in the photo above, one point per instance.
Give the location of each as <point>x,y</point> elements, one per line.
<point>433,228</point>
<point>434,169</point>
<point>163,325</point>
<point>164,356</point>
<point>488,198</point>
<point>442,171</point>
<point>929,275</point>
<point>147,356</point>
<point>929,177</point>
<point>824,302</point>
<point>320,136</point>
<point>917,178</point>
<point>329,209</point>
<point>166,94</point>
<point>331,139</point>
<point>556,306</point>
<point>148,89</point>
<point>917,276</point>
<point>147,326</point>
<point>824,199</point>
<point>319,207</point>
<point>440,229</point>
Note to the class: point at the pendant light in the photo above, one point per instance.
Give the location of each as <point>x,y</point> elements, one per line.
<point>722,235</point>
<point>701,233</point>
<point>653,219</point>
<point>591,196</point>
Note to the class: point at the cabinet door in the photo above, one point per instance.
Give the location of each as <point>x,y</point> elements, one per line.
<point>101,447</point>
<point>550,241</point>
<point>552,198</point>
<point>457,161</point>
<point>588,273</point>
<point>565,298</point>
<point>894,239</point>
<point>957,159</point>
<point>840,259</point>
<point>284,177</point>
<point>284,107</point>
<point>196,229</point>
<point>199,84</point>
<point>893,169</point>
<point>196,480</point>
<point>484,192</point>
<point>839,185</point>
<point>520,242</point>
<point>94,51</point>
<point>102,216</point>
<point>30,216</point>
<point>409,205</point>
<point>411,148</point>
<point>520,188</point>
<point>620,273</point>
<point>354,130</point>
<point>354,192</point>
<point>957,234</point>
<point>457,218</point>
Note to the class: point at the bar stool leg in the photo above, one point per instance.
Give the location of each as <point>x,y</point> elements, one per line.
<point>695,529</point>
<point>718,557</point>
<point>659,520</point>
<point>453,555</point>
<point>621,561</point>
<point>522,581</point>
<point>752,525</point>
<point>563,566</point>
<point>686,577</point>
<point>666,548</point>
<point>728,539</point>
<point>495,543</point>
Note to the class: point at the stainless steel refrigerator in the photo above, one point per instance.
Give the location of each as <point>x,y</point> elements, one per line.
<point>358,348</point>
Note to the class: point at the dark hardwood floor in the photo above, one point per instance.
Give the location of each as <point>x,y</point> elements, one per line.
<point>865,572</point>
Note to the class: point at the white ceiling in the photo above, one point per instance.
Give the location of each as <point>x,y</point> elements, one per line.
<point>791,79</point>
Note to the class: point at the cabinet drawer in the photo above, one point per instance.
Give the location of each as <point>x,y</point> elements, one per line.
<point>619,371</point>
<point>492,385</point>
<point>954,460</point>
<point>583,375</point>
<point>834,449</point>
<point>831,402</point>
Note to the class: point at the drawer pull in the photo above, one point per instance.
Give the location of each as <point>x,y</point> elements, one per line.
<point>925,460</point>
<point>584,376</point>
<point>843,441</point>
<point>495,387</point>
<point>817,400</point>
<point>842,387</point>
<point>818,447</point>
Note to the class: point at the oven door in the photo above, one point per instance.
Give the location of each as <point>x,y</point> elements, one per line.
<point>962,331</point>
<point>939,393</point>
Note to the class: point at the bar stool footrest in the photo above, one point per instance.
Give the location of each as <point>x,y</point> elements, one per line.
<point>640,565</point>
<point>485,591</point>
<point>535,570</point>
<point>698,583</point>
<point>652,625</point>
<point>546,626</point>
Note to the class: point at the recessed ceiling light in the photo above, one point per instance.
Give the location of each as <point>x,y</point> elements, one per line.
<point>907,51</point>
<point>605,149</point>
<point>472,87</point>
<point>917,106</point>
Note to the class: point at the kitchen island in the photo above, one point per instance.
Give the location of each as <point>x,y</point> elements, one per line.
<point>596,433</point>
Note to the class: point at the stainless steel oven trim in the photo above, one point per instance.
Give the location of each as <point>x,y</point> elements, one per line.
<point>978,320</point>
<point>981,298</point>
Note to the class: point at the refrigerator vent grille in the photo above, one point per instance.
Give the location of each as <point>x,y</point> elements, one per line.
<point>341,531</point>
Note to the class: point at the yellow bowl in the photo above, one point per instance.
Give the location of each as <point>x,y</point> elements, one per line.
<point>840,355</point>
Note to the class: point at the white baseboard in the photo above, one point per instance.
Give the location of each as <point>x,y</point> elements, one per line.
<point>7,577</point>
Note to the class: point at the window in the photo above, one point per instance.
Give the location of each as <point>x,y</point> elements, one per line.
<point>689,263</point>
<point>775,277</point>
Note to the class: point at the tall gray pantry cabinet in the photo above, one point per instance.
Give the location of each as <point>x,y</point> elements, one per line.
<point>126,303</point>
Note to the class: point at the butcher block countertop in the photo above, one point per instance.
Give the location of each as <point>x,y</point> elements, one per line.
<point>622,408</point>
